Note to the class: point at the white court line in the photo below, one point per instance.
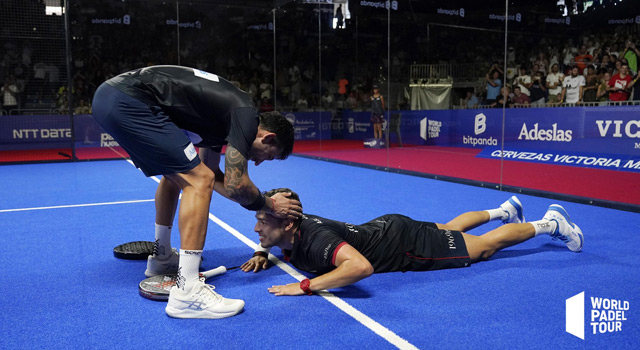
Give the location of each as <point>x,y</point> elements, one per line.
<point>76,205</point>
<point>365,320</point>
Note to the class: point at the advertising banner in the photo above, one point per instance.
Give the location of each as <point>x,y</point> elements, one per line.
<point>310,125</point>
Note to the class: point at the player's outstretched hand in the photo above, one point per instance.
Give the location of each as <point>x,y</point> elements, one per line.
<point>285,207</point>
<point>287,289</point>
<point>255,264</point>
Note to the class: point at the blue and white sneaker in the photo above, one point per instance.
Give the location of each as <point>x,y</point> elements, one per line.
<point>167,266</point>
<point>201,302</point>
<point>513,209</point>
<point>566,230</point>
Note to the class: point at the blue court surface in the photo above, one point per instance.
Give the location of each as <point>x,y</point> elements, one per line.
<point>63,288</point>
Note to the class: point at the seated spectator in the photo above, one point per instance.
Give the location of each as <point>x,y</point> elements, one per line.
<point>471,100</point>
<point>519,98</point>
<point>504,99</point>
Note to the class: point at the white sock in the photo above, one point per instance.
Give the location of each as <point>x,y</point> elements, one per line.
<point>544,226</point>
<point>162,245</point>
<point>495,214</point>
<point>189,269</point>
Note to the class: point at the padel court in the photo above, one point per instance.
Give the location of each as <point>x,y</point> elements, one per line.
<point>64,289</point>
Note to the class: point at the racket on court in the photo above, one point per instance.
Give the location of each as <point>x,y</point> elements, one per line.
<point>158,287</point>
<point>138,250</point>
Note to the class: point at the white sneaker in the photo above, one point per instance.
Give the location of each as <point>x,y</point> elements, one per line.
<point>566,230</point>
<point>201,302</point>
<point>168,266</point>
<point>514,211</point>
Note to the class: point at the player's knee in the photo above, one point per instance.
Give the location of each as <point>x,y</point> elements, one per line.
<point>488,253</point>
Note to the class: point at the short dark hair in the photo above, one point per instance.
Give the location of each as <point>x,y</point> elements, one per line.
<point>276,123</point>
<point>293,195</point>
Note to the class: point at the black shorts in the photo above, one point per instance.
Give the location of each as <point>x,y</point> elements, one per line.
<point>436,249</point>
<point>155,144</point>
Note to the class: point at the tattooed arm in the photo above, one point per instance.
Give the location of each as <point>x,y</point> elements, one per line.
<point>241,189</point>
<point>237,183</point>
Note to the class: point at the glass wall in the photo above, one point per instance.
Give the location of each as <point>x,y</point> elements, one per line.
<point>440,70</point>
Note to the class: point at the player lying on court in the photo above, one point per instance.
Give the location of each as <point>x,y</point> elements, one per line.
<point>342,254</point>
<point>158,114</point>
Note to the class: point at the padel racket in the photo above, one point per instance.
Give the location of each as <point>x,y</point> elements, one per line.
<point>158,287</point>
<point>138,250</point>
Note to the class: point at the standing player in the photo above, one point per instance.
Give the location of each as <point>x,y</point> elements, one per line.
<point>377,112</point>
<point>342,253</point>
<point>158,114</point>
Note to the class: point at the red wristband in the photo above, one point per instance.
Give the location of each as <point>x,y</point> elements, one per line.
<point>304,285</point>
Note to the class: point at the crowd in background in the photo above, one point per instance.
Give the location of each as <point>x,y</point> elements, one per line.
<point>34,74</point>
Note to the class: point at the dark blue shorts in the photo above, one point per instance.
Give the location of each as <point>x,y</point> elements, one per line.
<point>155,144</point>
<point>437,249</point>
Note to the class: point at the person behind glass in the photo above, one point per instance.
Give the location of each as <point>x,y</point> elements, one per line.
<point>9,92</point>
<point>377,112</point>
<point>538,90</point>
<point>519,98</point>
<point>573,87</point>
<point>504,99</point>
<point>591,88</point>
<point>620,84</point>
<point>471,100</point>
<point>603,88</point>
<point>493,84</point>
<point>554,83</point>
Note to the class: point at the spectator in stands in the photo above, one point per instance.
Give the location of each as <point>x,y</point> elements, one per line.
<point>583,58</point>
<point>631,54</point>
<point>494,84</point>
<point>351,101</point>
<point>542,62</point>
<point>265,105</point>
<point>471,100</point>
<point>620,84</point>
<point>605,61</point>
<point>83,107</point>
<point>327,99</point>
<point>523,81</point>
<point>554,84</point>
<point>572,87</point>
<point>538,90</point>
<point>504,99</point>
<point>603,87</point>
<point>519,98</point>
<point>590,90</point>
<point>10,94</point>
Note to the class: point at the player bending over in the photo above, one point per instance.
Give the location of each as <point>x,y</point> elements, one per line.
<point>342,254</point>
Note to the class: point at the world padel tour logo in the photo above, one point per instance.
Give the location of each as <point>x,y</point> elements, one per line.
<point>606,316</point>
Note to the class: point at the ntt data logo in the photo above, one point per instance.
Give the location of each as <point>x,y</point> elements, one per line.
<point>606,316</point>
